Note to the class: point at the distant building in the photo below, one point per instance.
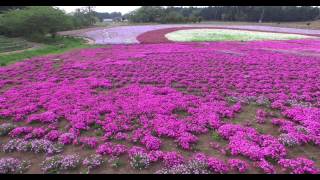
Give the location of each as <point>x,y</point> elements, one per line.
<point>107,20</point>
<point>117,19</point>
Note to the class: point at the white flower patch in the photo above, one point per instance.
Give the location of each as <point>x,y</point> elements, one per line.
<point>228,35</point>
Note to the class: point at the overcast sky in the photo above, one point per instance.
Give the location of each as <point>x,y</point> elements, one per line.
<point>122,9</point>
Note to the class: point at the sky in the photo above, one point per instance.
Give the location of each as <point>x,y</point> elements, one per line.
<point>122,9</point>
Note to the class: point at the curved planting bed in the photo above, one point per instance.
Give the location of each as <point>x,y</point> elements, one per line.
<point>199,35</point>
<point>129,34</point>
<point>219,107</point>
<point>189,34</point>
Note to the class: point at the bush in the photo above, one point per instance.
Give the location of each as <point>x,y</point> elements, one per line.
<point>34,22</point>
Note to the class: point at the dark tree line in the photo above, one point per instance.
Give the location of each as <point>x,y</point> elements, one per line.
<point>106,15</point>
<point>164,15</point>
<point>224,13</point>
<point>260,13</point>
<point>6,8</point>
<point>36,22</point>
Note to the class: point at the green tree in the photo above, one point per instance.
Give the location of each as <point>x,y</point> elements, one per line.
<point>34,22</point>
<point>225,13</point>
<point>7,8</point>
<point>147,14</point>
<point>84,17</point>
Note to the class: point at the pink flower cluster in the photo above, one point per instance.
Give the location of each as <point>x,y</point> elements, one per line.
<point>172,159</point>
<point>217,165</point>
<point>89,142</point>
<point>248,142</point>
<point>111,149</point>
<point>261,116</point>
<point>299,165</point>
<point>265,167</point>
<point>180,92</point>
<point>238,165</point>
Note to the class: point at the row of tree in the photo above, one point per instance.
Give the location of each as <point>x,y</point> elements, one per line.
<point>106,15</point>
<point>159,14</point>
<point>35,22</point>
<point>261,13</point>
<point>224,13</point>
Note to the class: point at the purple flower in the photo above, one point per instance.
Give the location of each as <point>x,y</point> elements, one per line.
<point>151,142</point>
<point>93,161</point>
<point>171,159</point>
<point>66,138</point>
<point>299,165</point>
<point>111,149</point>
<point>217,166</point>
<point>265,166</point>
<point>10,165</point>
<point>238,165</point>
<point>53,135</point>
<point>90,142</point>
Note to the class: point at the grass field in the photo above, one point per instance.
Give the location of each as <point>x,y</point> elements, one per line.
<point>56,46</point>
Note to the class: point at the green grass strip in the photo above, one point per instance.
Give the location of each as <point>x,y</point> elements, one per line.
<point>57,46</point>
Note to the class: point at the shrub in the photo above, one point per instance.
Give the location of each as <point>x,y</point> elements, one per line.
<point>34,21</point>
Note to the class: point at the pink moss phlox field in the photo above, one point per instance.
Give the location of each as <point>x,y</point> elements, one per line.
<point>148,93</point>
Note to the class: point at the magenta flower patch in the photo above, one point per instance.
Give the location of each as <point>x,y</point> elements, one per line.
<point>161,103</point>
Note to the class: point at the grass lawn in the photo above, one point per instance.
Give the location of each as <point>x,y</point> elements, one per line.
<point>51,46</point>
<point>196,35</point>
